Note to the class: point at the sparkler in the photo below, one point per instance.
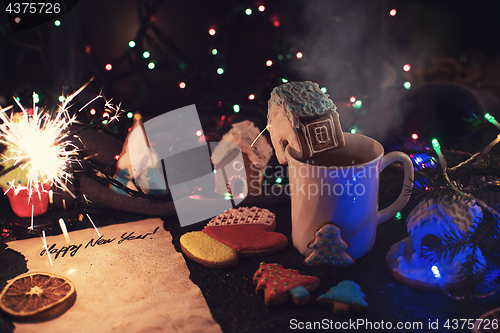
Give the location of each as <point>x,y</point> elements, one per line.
<point>38,144</point>
<point>39,150</point>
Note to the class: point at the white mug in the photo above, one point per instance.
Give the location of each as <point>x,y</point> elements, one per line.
<point>341,186</point>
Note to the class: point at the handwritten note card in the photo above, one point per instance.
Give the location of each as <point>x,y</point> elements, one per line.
<point>128,279</point>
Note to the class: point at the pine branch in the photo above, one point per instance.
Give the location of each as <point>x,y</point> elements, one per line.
<point>469,274</point>
<point>447,246</point>
<point>484,239</point>
<point>487,234</point>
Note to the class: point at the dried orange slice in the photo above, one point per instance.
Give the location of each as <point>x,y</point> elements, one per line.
<point>37,296</point>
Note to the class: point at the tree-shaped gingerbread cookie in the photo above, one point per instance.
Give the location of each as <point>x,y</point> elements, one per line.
<point>328,249</point>
<point>345,296</point>
<point>279,284</point>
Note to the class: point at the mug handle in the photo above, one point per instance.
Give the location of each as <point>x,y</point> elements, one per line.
<point>403,199</point>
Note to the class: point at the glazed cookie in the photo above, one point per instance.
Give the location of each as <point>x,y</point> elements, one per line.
<point>255,159</point>
<point>346,296</point>
<point>247,232</point>
<point>435,218</point>
<point>328,249</point>
<point>302,116</point>
<point>205,250</point>
<point>244,215</point>
<point>278,284</point>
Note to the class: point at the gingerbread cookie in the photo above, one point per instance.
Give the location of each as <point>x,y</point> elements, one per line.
<point>278,284</point>
<point>254,160</point>
<point>346,296</point>
<point>435,218</point>
<point>302,116</point>
<point>244,215</point>
<point>241,232</point>
<point>329,249</point>
<point>206,250</point>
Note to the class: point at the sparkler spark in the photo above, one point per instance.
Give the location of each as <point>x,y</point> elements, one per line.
<point>64,230</point>
<point>32,209</point>
<point>39,144</point>
<point>39,150</point>
<point>87,200</point>
<point>96,230</point>
<point>46,247</point>
<point>258,136</point>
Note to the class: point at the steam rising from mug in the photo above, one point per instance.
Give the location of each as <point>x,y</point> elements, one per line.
<point>352,48</point>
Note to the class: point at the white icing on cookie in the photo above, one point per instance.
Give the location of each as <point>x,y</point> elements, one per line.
<point>300,99</point>
<point>282,128</point>
<point>438,217</point>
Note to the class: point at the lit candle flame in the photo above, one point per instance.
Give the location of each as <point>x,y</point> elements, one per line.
<point>64,230</point>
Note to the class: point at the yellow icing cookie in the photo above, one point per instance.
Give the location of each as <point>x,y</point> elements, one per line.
<point>207,251</point>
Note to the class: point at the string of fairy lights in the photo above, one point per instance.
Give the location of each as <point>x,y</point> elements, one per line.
<point>228,106</point>
<point>150,60</point>
<point>242,104</point>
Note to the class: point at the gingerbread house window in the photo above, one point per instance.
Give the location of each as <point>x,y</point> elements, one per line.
<point>321,134</point>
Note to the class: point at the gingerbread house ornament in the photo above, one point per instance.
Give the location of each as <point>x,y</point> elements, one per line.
<point>241,176</point>
<point>302,116</point>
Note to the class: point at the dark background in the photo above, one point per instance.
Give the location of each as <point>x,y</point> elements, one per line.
<point>352,48</point>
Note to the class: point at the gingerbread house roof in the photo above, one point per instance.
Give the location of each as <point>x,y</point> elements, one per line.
<point>243,134</point>
<point>445,214</point>
<point>301,99</point>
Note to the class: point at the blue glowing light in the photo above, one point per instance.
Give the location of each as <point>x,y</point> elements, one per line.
<point>435,271</point>
<point>423,161</point>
